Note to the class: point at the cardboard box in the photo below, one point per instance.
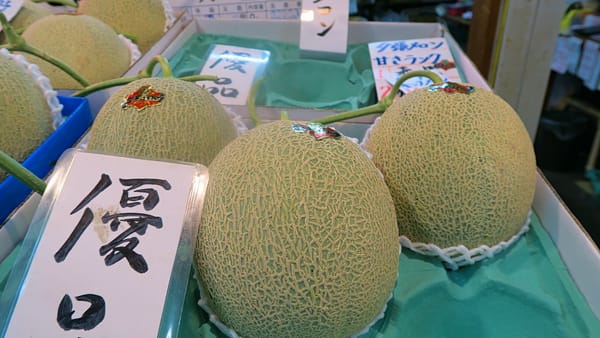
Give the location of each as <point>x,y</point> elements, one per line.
<point>575,246</point>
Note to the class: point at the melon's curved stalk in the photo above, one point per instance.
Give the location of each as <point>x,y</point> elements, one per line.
<point>383,104</point>
<point>67,3</point>
<point>16,169</point>
<point>17,44</point>
<point>251,103</point>
<point>145,73</point>
<point>284,116</point>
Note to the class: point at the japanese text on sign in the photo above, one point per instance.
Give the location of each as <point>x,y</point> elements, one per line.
<point>236,69</point>
<point>10,8</point>
<point>240,9</point>
<point>105,258</point>
<point>392,59</point>
<point>324,27</point>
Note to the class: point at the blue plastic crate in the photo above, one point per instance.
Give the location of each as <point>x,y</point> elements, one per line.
<point>42,160</point>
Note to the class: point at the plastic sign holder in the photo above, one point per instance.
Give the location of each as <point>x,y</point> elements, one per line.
<point>236,68</point>
<point>324,29</point>
<point>110,246</point>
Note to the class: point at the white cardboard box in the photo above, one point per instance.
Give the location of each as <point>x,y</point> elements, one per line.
<point>575,246</point>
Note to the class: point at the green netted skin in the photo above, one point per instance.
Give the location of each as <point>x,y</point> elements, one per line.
<point>298,237</point>
<point>188,125</point>
<point>83,42</point>
<point>460,167</point>
<point>25,118</point>
<point>142,19</point>
<point>29,12</point>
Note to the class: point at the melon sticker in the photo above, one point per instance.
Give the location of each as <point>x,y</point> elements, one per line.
<point>451,88</point>
<point>317,130</point>
<point>10,8</point>
<point>142,98</point>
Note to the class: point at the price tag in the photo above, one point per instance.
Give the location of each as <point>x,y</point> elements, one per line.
<point>324,29</point>
<point>588,63</point>
<point>115,236</point>
<point>561,55</point>
<point>240,9</point>
<point>10,8</point>
<point>237,68</point>
<point>575,44</point>
<point>392,59</point>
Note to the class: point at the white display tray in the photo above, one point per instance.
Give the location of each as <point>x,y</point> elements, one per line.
<point>578,251</point>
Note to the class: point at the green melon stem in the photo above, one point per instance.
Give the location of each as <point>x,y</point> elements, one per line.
<point>17,44</point>
<point>195,78</point>
<point>165,67</point>
<point>67,3</point>
<point>105,84</point>
<point>383,104</point>
<point>251,102</point>
<point>16,169</point>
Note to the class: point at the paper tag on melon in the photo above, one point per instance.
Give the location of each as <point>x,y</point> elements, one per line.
<point>237,69</point>
<point>10,8</point>
<point>392,59</point>
<point>109,248</point>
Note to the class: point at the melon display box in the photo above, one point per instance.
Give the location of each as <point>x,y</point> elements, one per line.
<point>578,256</point>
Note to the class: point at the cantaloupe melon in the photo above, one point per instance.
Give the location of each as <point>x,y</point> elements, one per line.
<point>29,12</point>
<point>25,118</point>
<point>460,166</point>
<point>143,19</point>
<point>187,124</point>
<point>84,43</point>
<point>298,236</point>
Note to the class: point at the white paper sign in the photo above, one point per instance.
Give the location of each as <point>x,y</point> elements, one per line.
<point>574,53</point>
<point>392,59</point>
<point>587,64</point>
<point>240,9</point>
<point>324,29</point>
<point>561,55</point>
<point>237,68</point>
<point>10,8</point>
<point>103,263</point>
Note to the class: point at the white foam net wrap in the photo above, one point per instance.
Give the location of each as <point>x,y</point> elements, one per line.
<point>134,51</point>
<point>42,82</point>
<point>237,121</point>
<point>229,332</point>
<point>169,14</point>
<point>458,256</point>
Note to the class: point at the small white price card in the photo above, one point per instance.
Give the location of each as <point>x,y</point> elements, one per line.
<point>587,64</point>
<point>392,59</point>
<point>324,29</point>
<point>10,8</point>
<point>240,9</point>
<point>561,55</point>
<point>236,68</point>
<point>574,45</point>
<point>113,231</point>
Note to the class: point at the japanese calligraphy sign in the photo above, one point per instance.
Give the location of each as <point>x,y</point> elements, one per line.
<point>10,8</point>
<point>112,235</point>
<point>324,28</point>
<point>392,59</point>
<point>236,68</point>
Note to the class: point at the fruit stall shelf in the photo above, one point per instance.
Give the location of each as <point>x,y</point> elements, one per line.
<point>575,255</point>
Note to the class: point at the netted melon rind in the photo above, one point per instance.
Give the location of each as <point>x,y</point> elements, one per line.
<point>85,43</point>
<point>229,332</point>
<point>43,84</point>
<point>476,187</point>
<point>188,125</point>
<point>25,120</point>
<point>297,236</point>
<point>143,19</point>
